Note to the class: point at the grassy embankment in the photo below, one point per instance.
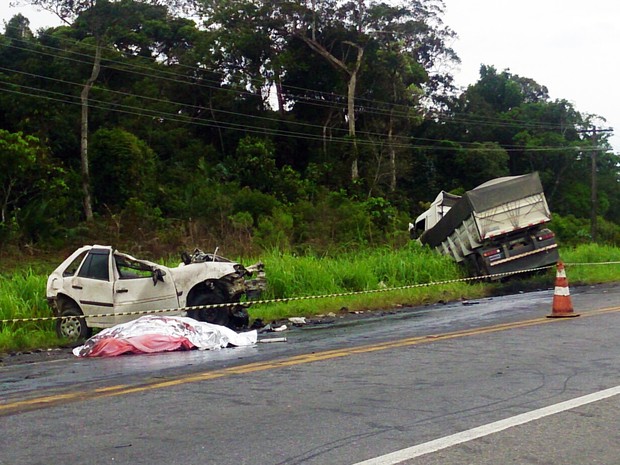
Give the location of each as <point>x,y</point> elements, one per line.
<point>22,294</point>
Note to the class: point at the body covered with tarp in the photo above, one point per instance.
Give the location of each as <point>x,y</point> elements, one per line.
<point>496,227</point>
<point>154,333</point>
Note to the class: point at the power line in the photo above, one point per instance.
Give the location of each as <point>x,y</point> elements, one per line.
<point>337,100</point>
<point>124,67</point>
<point>137,111</point>
<point>282,132</point>
<point>201,108</point>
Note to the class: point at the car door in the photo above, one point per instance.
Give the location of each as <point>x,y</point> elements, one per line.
<point>136,291</point>
<point>92,286</point>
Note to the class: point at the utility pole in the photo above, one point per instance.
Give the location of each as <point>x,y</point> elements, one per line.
<point>593,189</point>
<point>593,181</point>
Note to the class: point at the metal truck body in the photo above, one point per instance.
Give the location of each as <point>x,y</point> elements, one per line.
<point>497,227</point>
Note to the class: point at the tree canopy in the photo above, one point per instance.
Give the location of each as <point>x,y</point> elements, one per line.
<point>263,120</point>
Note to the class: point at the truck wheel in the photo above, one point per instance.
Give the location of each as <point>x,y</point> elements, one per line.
<point>481,267</point>
<point>471,265</point>
<point>73,327</point>
<point>216,316</point>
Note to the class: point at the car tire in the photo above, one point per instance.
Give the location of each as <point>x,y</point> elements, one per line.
<point>216,316</point>
<point>74,326</point>
<point>239,317</point>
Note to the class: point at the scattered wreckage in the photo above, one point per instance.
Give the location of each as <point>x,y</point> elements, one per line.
<point>99,280</point>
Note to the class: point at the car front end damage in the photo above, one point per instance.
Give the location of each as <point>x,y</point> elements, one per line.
<point>222,282</point>
<point>247,281</point>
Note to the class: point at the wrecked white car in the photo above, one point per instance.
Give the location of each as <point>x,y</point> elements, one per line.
<point>98,280</point>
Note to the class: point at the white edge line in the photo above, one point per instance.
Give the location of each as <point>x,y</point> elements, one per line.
<point>484,430</point>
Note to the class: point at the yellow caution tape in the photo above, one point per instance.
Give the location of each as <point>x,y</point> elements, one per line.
<point>310,297</point>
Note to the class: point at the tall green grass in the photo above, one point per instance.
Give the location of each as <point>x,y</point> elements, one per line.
<point>372,270</point>
<point>581,264</point>
<point>22,294</point>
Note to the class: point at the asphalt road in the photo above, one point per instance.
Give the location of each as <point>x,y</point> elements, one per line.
<point>492,382</point>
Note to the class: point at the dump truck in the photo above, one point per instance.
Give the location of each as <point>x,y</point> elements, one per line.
<point>498,227</point>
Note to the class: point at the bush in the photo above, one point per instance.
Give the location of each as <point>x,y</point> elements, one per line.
<point>573,231</point>
<point>607,232</point>
<point>275,231</point>
<point>123,167</point>
<point>570,230</point>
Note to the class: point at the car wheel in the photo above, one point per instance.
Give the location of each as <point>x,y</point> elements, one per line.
<point>73,327</point>
<point>239,318</point>
<point>217,315</point>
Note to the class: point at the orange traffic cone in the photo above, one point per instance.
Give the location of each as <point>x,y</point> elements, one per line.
<point>562,305</point>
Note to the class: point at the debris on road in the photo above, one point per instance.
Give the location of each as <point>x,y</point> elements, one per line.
<point>272,327</point>
<point>151,333</point>
<point>273,339</point>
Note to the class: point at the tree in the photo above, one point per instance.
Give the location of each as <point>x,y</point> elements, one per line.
<point>125,168</point>
<point>481,162</point>
<point>351,69</point>
<point>27,177</point>
<point>18,161</point>
<point>339,32</point>
<point>98,19</point>
<point>97,22</point>
<point>18,27</point>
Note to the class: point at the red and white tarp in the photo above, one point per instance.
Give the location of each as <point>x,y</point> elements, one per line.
<point>153,333</point>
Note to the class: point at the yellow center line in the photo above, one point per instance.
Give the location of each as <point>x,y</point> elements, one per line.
<point>9,408</point>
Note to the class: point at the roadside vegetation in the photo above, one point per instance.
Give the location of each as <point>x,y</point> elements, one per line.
<point>22,292</point>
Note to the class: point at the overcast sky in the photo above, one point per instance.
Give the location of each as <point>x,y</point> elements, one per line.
<point>567,45</point>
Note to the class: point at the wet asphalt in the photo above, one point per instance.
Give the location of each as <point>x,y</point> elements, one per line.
<point>314,399</point>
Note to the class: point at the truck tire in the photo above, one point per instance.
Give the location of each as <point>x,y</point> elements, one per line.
<point>216,316</point>
<point>481,267</point>
<point>471,265</point>
<point>72,327</point>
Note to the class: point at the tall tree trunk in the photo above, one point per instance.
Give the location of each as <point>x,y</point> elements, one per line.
<point>351,113</point>
<point>5,203</point>
<point>279,93</point>
<point>219,128</point>
<point>88,205</point>
<point>391,149</point>
<point>392,153</point>
<point>351,88</point>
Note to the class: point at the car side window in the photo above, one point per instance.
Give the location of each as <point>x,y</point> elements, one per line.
<point>74,265</point>
<point>129,269</point>
<point>96,265</point>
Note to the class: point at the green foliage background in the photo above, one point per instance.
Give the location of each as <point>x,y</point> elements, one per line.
<point>232,129</point>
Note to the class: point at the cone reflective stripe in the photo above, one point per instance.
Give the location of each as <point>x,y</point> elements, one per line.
<point>562,305</point>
